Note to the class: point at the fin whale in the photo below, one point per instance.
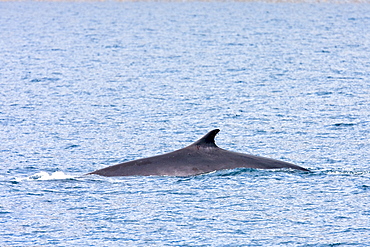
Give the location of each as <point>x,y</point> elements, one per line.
<point>203,156</point>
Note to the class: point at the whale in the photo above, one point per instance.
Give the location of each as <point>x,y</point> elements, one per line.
<point>203,156</point>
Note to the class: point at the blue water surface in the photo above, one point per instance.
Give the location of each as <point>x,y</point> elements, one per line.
<point>85,85</point>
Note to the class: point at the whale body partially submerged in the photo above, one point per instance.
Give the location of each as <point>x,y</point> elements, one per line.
<point>203,156</point>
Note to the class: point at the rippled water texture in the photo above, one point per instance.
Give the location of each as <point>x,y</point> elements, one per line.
<point>88,85</point>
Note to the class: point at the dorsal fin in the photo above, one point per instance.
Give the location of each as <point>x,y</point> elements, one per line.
<point>208,140</point>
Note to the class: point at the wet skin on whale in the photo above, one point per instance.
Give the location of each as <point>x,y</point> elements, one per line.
<point>203,156</point>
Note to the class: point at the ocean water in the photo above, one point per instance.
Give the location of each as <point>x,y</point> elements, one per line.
<point>85,85</point>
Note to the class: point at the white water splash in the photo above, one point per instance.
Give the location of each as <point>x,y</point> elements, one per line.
<point>46,176</point>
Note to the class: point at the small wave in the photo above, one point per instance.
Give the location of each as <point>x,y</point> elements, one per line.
<point>344,124</point>
<point>342,172</point>
<point>46,176</point>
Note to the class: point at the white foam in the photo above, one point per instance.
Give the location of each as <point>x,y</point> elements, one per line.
<point>46,176</point>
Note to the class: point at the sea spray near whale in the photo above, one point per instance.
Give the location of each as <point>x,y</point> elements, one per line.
<point>58,175</point>
<point>203,156</point>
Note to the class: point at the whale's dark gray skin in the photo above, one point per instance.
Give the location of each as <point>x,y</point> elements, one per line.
<point>203,156</point>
